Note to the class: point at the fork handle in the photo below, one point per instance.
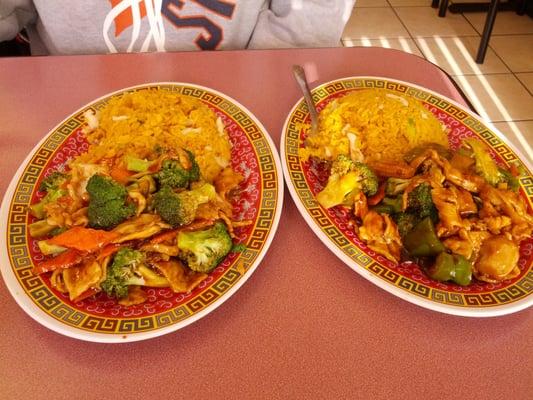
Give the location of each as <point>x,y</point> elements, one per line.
<point>299,75</point>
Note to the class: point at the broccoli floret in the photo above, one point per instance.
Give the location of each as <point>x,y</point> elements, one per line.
<point>53,181</point>
<point>204,250</point>
<point>170,206</point>
<point>346,179</point>
<point>180,208</point>
<point>507,177</point>
<point>123,272</point>
<point>52,186</point>
<point>485,165</point>
<point>107,203</point>
<point>395,186</point>
<point>173,174</point>
<point>420,203</point>
<point>53,194</point>
<point>395,203</point>
<point>368,178</point>
<point>194,172</point>
<point>238,248</point>
<point>342,165</point>
<point>405,222</point>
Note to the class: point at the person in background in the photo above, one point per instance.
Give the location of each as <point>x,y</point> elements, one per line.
<point>119,26</point>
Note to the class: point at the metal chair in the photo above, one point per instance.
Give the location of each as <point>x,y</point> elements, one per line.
<point>492,7</point>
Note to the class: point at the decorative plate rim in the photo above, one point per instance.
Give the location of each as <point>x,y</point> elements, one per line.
<point>464,311</point>
<point>28,305</point>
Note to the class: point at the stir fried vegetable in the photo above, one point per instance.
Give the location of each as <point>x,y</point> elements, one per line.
<point>107,203</point>
<point>123,272</point>
<point>451,267</point>
<point>203,250</point>
<point>175,174</point>
<point>420,203</point>
<point>138,209</point>
<point>53,181</point>
<point>180,208</point>
<point>422,240</point>
<point>395,186</point>
<point>457,214</point>
<point>52,186</point>
<point>346,179</point>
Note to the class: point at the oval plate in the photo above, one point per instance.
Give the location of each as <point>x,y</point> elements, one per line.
<point>405,280</point>
<point>99,319</point>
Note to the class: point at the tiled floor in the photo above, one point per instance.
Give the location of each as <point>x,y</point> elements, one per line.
<point>501,89</point>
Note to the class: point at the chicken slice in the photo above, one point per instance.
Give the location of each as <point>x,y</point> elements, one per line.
<point>445,199</point>
<point>81,278</point>
<point>499,201</point>
<point>451,173</point>
<point>141,227</point>
<point>380,234</point>
<point>466,203</point>
<point>135,296</point>
<point>181,279</point>
<point>497,261</point>
<point>360,205</point>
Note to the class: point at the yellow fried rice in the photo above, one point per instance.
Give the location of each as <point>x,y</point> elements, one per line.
<point>376,124</point>
<point>138,123</point>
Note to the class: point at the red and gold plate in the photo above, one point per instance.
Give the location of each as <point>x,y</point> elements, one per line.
<point>101,319</point>
<point>406,280</point>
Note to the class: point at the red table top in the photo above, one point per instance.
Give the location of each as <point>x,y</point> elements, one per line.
<point>304,325</point>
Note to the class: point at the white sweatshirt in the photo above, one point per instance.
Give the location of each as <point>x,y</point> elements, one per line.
<point>110,26</point>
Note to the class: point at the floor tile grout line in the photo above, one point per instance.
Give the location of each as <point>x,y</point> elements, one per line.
<point>517,120</point>
<point>509,71</point>
<point>506,65</point>
<point>511,34</point>
<point>486,73</point>
<point>408,31</point>
<point>476,34</point>
<point>522,83</point>
<point>494,51</point>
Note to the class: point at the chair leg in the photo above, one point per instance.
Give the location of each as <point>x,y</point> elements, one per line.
<point>522,7</point>
<point>487,30</point>
<point>435,3</point>
<point>443,7</point>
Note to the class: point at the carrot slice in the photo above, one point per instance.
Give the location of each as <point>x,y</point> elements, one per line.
<point>380,194</point>
<point>120,174</point>
<point>64,260</point>
<point>83,239</point>
<point>171,234</point>
<point>163,237</point>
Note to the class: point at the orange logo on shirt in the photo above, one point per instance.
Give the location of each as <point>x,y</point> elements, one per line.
<point>125,19</point>
<point>211,34</point>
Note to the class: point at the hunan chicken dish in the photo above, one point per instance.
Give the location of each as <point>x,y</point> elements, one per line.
<point>148,204</point>
<point>457,214</point>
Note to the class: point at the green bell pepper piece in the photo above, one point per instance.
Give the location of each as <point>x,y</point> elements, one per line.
<point>422,240</point>
<point>451,267</point>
